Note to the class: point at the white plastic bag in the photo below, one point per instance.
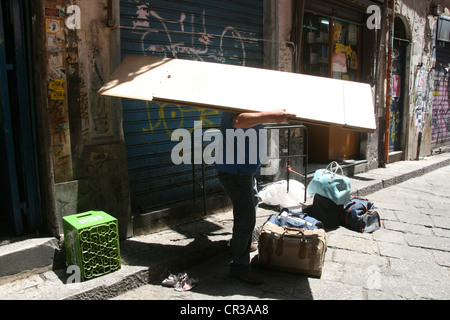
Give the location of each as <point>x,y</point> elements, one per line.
<point>276,193</point>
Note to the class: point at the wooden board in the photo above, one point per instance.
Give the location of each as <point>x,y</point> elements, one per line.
<point>235,88</point>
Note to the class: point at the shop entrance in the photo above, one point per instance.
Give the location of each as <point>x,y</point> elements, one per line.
<point>331,48</point>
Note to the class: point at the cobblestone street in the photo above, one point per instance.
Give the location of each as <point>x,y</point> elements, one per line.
<point>409,258</point>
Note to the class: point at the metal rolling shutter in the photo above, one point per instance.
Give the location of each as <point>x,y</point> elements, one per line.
<point>215,31</point>
<point>441,107</point>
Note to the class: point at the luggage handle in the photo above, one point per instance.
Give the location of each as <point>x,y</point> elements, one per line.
<point>335,169</point>
<point>332,170</point>
<point>299,231</point>
<point>293,229</point>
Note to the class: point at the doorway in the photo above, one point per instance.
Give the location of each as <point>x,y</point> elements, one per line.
<point>19,191</point>
<point>399,90</point>
<point>396,108</point>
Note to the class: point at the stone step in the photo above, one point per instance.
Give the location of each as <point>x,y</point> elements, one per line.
<point>22,258</point>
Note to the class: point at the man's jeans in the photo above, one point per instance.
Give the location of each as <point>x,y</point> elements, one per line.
<point>244,195</point>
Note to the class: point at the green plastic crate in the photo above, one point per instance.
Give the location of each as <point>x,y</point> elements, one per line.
<point>92,243</point>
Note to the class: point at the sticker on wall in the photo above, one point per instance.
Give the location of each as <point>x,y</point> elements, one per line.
<point>54,41</point>
<point>57,95</point>
<point>56,87</point>
<point>52,12</point>
<point>55,34</point>
<point>53,26</point>
<point>55,60</point>
<point>422,96</point>
<point>54,84</point>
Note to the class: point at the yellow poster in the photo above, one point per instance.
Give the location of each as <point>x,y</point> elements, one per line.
<point>54,84</point>
<point>56,87</point>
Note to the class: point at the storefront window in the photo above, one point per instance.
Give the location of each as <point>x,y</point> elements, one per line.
<point>331,48</point>
<point>345,59</point>
<point>316,46</point>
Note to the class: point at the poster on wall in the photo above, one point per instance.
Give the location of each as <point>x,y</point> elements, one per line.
<point>421,97</point>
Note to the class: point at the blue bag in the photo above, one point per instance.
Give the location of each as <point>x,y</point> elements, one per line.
<point>329,184</point>
<point>360,215</point>
<point>293,219</point>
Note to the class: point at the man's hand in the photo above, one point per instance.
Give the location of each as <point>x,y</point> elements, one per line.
<point>281,115</point>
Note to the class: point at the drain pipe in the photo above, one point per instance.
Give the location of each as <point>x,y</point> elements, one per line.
<point>388,81</point>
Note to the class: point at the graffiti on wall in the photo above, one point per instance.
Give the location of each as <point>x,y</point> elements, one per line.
<point>166,114</point>
<point>394,129</point>
<point>179,30</point>
<point>441,110</point>
<point>56,85</point>
<point>182,38</point>
<point>183,35</point>
<point>99,111</point>
<point>95,113</point>
<point>93,50</point>
<point>422,97</point>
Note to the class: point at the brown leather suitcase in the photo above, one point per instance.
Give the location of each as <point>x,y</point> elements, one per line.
<point>291,249</point>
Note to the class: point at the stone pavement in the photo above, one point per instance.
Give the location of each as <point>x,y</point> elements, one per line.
<point>409,258</point>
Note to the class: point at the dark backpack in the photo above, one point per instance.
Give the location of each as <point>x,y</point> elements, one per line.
<point>360,215</point>
<point>327,211</point>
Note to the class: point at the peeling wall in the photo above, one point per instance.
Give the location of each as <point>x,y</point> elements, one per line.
<point>278,51</point>
<point>93,47</point>
<point>98,148</point>
<point>285,59</point>
<point>55,47</point>
<point>84,137</point>
<point>420,23</point>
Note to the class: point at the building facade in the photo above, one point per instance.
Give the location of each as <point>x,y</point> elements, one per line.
<point>66,149</point>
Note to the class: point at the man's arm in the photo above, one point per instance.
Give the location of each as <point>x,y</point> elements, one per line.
<point>250,119</point>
